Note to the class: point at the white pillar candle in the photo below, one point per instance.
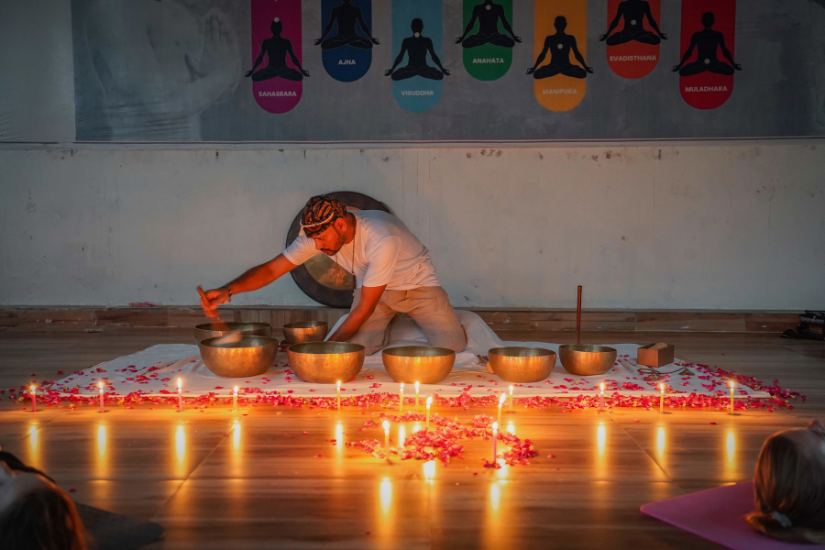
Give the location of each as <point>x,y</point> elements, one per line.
<point>731,396</point>
<point>235,399</point>
<point>429,402</point>
<point>601,397</point>
<point>495,441</point>
<point>33,395</point>
<point>180,395</point>
<point>401,399</point>
<point>661,398</point>
<point>511,398</point>
<point>100,387</point>
<point>339,395</point>
<point>417,385</point>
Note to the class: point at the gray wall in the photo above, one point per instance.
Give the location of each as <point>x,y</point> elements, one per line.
<point>719,224</point>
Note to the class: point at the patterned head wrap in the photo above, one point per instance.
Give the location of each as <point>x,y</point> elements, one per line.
<point>319,212</point>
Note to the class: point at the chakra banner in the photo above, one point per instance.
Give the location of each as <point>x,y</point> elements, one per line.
<point>488,39</point>
<point>560,44</point>
<point>346,38</point>
<point>277,73</point>
<point>417,71</point>
<point>633,36</point>
<point>459,71</point>
<point>707,66</point>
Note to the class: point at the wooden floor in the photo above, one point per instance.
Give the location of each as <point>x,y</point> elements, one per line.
<point>220,480</point>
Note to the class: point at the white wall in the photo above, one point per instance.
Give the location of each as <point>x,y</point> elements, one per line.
<point>705,225</point>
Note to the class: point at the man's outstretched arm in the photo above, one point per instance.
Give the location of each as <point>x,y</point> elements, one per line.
<point>370,295</point>
<point>252,279</point>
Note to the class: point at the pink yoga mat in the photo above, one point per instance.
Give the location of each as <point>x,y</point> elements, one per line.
<point>719,516</point>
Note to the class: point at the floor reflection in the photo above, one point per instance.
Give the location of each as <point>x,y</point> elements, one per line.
<point>661,445</point>
<point>102,455</point>
<point>601,451</point>
<point>180,451</point>
<point>730,453</point>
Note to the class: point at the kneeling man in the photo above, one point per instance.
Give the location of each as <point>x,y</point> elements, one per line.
<point>392,269</point>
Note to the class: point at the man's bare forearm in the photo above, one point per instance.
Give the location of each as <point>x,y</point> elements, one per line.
<point>260,276</point>
<point>349,327</point>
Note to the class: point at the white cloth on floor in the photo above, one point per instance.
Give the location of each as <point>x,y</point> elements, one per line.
<point>154,371</point>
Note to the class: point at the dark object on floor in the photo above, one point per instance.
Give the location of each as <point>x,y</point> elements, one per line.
<point>811,327</point>
<point>115,532</point>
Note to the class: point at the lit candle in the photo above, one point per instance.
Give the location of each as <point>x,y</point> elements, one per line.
<point>511,398</point>
<point>429,402</point>
<point>100,387</point>
<point>500,403</point>
<point>235,399</point>
<point>495,440</point>
<point>180,396</point>
<point>661,398</point>
<point>34,400</point>
<point>401,398</point>
<point>386,435</point>
<point>339,395</point>
<point>601,397</point>
<point>416,395</point>
<point>731,396</point>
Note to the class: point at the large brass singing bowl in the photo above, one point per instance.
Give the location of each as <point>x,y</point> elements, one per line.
<point>210,330</point>
<point>424,364</point>
<point>309,331</point>
<point>520,364</point>
<point>250,356</point>
<point>326,362</point>
<point>587,360</point>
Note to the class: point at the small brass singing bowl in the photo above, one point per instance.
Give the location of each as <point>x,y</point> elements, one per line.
<point>587,360</point>
<point>210,330</point>
<point>520,364</point>
<point>250,356</point>
<point>326,362</point>
<point>309,331</point>
<point>424,364</point>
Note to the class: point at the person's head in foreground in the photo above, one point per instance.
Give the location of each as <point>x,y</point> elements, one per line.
<point>789,485</point>
<point>324,219</point>
<point>35,514</point>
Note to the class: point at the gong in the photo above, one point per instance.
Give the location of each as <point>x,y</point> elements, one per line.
<point>320,277</point>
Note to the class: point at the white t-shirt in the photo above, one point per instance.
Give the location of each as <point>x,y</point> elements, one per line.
<point>387,253</point>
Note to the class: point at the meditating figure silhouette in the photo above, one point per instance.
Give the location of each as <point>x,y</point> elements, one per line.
<point>488,14</point>
<point>560,46</point>
<point>706,42</point>
<point>347,16</point>
<point>634,12</point>
<point>277,49</point>
<point>417,46</point>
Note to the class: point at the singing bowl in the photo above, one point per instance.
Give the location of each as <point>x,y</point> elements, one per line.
<point>309,331</point>
<point>520,364</point>
<point>326,362</point>
<point>424,364</point>
<point>587,360</point>
<point>250,356</point>
<point>210,330</point>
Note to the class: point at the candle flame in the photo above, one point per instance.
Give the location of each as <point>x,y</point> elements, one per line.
<point>339,385</point>
<point>32,388</point>
<point>100,385</point>
<point>601,386</point>
<point>662,388</point>
<point>495,427</point>
<point>501,400</point>
<point>511,389</point>
<point>429,401</point>
<point>731,384</point>
<point>386,427</point>
<point>417,386</point>
<point>236,391</point>
<point>402,387</point>
<point>179,384</point>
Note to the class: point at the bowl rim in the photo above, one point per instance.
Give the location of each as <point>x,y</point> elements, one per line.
<point>207,342</point>
<point>602,349</point>
<point>258,325</point>
<point>307,325</point>
<point>543,352</point>
<point>357,348</point>
<point>388,351</point>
